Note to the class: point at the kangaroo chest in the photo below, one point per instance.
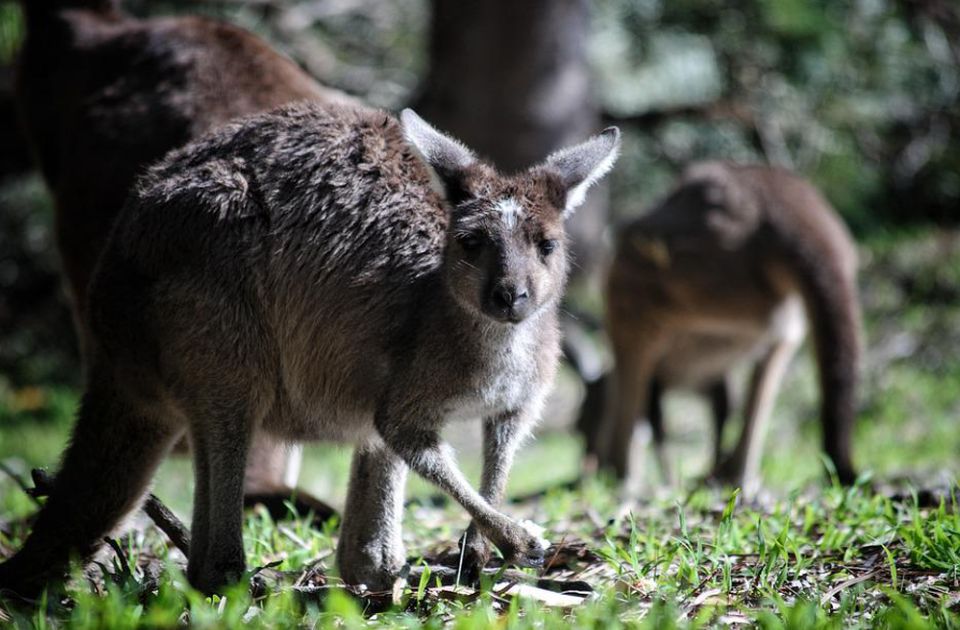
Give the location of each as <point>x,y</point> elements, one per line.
<point>498,383</point>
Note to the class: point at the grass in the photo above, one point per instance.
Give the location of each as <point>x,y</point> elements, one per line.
<point>804,554</point>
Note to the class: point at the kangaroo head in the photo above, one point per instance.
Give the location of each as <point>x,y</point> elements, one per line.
<point>506,253</point>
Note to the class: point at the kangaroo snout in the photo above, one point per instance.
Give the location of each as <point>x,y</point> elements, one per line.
<point>508,302</point>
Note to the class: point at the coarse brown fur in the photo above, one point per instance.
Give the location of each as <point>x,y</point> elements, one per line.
<point>103,95</point>
<point>719,274</point>
<point>300,273</point>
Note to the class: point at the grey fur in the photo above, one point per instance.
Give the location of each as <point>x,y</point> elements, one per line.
<point>297,273</point>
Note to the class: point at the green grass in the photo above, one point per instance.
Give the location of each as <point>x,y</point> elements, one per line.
<point>804,554</point>
<point>792,562</point>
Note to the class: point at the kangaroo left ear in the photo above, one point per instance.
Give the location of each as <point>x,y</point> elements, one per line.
<point>581,166</point>
<point>446,158</point>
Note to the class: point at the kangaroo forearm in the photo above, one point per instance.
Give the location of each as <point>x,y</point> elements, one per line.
<point>502,436</point>
<point>493,483</point>
<point>429,457</point>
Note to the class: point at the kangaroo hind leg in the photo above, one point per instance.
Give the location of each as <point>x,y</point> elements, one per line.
<point>115,449</point>
<point>221,433</point>
<point>742,468</point>
<point>719,394</point>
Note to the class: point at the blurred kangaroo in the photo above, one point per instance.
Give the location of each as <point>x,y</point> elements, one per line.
<point>102,96</point>
<point>318,273</point>
<point>720,273</point>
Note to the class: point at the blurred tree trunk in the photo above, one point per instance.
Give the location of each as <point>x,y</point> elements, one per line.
<point>14,154</point>
<point>510,78</point>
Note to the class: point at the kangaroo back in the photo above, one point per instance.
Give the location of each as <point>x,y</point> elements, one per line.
<point>103,95</point>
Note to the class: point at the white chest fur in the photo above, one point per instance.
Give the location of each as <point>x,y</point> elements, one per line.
<point>505,382</point>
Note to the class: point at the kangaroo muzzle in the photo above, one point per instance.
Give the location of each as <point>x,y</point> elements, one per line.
<point>508,302</point>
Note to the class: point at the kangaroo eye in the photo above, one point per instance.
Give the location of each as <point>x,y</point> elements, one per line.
<point>547,246</point>
<point>471,243</point>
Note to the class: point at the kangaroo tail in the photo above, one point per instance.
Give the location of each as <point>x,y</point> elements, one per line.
<point>825,264</point>
<point>105,473</point>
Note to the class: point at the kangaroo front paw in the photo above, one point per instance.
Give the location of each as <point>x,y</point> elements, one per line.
<point>520,546</point>
<point>527,552</point>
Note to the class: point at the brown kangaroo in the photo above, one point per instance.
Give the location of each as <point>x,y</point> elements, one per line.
<point>318,273</point>
<point>718,274</point>
<point>102,96</point>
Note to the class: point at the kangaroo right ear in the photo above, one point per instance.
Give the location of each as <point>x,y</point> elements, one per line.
<point>581,166</point>
<point>446,158</point>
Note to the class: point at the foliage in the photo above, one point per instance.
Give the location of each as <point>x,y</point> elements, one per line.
<point>36,332</point>
<point>862,96</point>
<point>11,31</point>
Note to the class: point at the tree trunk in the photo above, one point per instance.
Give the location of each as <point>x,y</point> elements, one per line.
<point>510,78</point>
<point>14,154</point>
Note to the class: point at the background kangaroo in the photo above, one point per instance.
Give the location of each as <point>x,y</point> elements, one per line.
<point>103,95</point>
<point>310,252</point>
<point>718,274</point>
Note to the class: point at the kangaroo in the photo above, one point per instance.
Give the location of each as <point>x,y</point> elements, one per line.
<point>718,274</point>
<point>319,272</point>
<point>103,95</point>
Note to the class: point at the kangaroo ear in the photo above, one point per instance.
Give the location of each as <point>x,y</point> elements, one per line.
<point>581,166</point>
<point>446,157</point>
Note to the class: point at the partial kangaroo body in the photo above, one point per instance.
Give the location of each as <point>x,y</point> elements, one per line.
<point>319,273</point>
<point>719,274</point>
<point>102,96</point>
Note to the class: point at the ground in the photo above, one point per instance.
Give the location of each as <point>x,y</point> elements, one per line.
<point>804,553</point>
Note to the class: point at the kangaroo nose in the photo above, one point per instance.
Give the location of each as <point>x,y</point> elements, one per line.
<point>508,297</point>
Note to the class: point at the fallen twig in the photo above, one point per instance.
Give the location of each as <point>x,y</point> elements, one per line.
<point>553,558</point>
<point>168,523</point>
<point>289,533</point>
